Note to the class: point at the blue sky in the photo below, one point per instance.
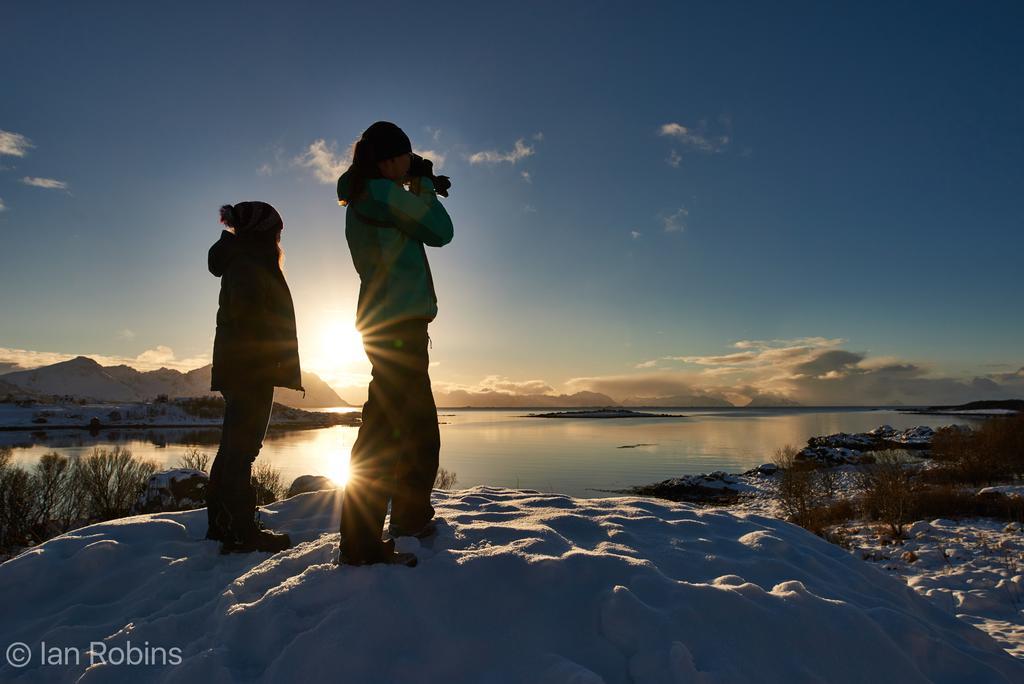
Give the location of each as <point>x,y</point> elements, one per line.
<point>690,179</point>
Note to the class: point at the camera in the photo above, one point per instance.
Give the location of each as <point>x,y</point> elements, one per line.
<point>424,168</point>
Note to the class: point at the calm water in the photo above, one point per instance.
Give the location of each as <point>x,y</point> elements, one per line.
<point>502,448</point>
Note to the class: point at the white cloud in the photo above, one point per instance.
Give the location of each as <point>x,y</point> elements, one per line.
<point>435,133</point>
<point>674,158</point>
<point>14,144</point>
<point>647,364</point>
<point>526,176</point>
<point>539,135</point>
<point>125,334</point>
<point>152,359</point>
<point>48,183</point>
<point>676,221</point>
<point>696,139</point>
<point>529,209</point>
<point>635,234</point>
<point>520,151</point>
<point>265,169</point>
<point>323,159</point>
<point>3,207</point>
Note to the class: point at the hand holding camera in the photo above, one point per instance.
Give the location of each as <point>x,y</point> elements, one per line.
<point>424,168</point>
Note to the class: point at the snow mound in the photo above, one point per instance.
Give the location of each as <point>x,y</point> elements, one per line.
<point>517,586</point>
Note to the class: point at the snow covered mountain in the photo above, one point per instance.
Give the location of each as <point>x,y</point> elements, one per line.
<point>83,377</point>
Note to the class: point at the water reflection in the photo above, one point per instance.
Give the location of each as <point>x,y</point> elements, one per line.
<point>503,448</point>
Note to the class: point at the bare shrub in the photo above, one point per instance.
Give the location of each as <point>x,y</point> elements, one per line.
<point>991,453</point>
<point>827,480</point>
<point>888,490</point>
<point>195,459</point>
<point>16,498</point>
<point>112,480</point>
<point>797,486</point>
<point>60,500</point>
<point>266,480</point>
<point>445,479</point>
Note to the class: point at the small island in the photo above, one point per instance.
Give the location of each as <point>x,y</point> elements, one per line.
<point>603,413</point>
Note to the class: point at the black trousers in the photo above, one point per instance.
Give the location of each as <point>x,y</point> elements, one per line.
<point>395,455</point>
<point>246,417</point>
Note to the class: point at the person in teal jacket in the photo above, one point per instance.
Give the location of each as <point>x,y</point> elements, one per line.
<point>395,455</point>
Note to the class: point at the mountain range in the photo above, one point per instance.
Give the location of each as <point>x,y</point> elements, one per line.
<point>84,378</point>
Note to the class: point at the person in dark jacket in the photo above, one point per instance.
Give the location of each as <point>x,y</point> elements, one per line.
<point>395,455</point>
<point>255,350</point>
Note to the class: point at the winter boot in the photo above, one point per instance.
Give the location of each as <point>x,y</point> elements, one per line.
<point>216,516</point>
<point>244,534</point>
<point>384,553</point>
<point>423,533</point>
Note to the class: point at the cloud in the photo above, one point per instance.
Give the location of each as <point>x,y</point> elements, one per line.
<point>647,364</point>
<point>265,169</point>
<point>48,183</point>
<point>830,363</point>
<point>635,234</point>
<point>695,139</point>
<point>14,144</point>
<point>161,356</point>
<point>520,151</point>
<point>125,334</point>
<point>435,133</point>
<point>3,207</point>
<point>674,158</point>
<point>529,209</point>
<point>323,159</point>
<point>676,221</point>
<point>499,383</point>
<point>526,176</point>
<point>538,136</point>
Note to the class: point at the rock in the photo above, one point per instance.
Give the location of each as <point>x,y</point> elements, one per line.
<point>908,557</point>
<point>830,456</point>
<point>716,487</point>
<point>920,529</point>
<point>180,489</point>
<point>763,469</point>
<point>310,483</point>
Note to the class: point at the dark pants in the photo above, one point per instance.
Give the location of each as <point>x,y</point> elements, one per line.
<point>395,455</point>
<point>246,416</point>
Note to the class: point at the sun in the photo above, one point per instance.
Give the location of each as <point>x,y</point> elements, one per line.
<point>337,354</point>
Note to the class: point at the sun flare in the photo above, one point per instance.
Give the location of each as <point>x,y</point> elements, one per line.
<point>337,353</point>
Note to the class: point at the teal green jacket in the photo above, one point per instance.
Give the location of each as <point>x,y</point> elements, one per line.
<point>386,229</point>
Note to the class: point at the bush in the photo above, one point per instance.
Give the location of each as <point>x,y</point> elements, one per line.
<point>266,480</point>
<point>112,481</point>
<point>991,453</point>
<point>60,500</point>
<point>798,489</point>
<point>445,479</point>
<point>195,459</point>
<point>888,490</point>
<point>15,503</point>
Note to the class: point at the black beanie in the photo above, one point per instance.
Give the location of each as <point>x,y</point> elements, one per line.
<point>386,140</point>
<point>251,217</point>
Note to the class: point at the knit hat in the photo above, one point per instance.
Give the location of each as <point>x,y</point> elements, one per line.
<point>386,140</point>
<point>251,217</point>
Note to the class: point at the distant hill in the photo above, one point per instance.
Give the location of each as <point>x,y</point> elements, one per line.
<point>84,378</point>
<point>1009,404</point>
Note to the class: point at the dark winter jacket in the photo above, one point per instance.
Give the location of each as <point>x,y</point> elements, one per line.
<point>386,228</point>
<point>256,342</point>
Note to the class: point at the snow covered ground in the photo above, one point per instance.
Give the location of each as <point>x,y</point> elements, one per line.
<point>517,587</point>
